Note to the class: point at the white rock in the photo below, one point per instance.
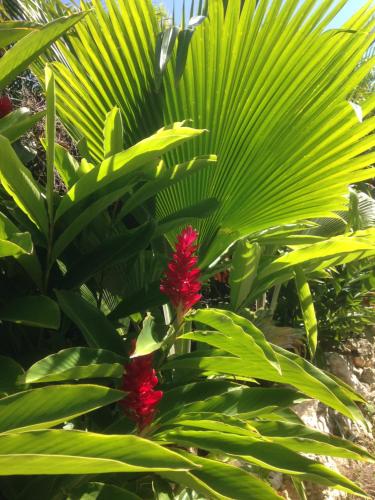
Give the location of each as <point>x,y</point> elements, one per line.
<point>341,367</point>
<point>368,375</point>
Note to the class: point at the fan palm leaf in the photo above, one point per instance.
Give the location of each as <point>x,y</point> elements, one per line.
<point>270,83</point>
<point>269,80</point>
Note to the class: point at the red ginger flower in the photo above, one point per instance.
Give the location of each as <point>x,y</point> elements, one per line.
<point>181,282</point>
<point>139,381</point>
<point>6,106</point>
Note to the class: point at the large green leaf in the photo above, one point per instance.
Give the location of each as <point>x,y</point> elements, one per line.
<point>148,339</point>
<point>95,327</point>
<point>241,332</point>
<point>13,242</point>
<point>66,165</point>
<point>116,175</point>
<point>307,308</point>
<point>300,438</point>
<point>245,261</point>
<point>50,144</point>
<point>48,406</point>
<point>333,251</point>
<point>121,38</point>
<point>223,481</point>
<point>75,452</point>
<point>248,363</point>
<point>251,77</point>
<point>294,436</point>
<point>119,166</point>
<point>19,183</point>
<point>264,454</point>
<point>222,397</point>
<point>39,311</point>
<point>113,133</point>
<point>187,215</point>
<point>331,393</point>
<point>31,46</point>
<point>15,124</point>
<point>76,363</point>
<point>20,246</point>
<point>12,31</point>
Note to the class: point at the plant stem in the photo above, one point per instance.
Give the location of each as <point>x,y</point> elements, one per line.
<point>50,140</point>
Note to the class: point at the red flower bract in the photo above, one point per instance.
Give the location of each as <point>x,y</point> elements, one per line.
<point>6,106</point>
<point>139,381</point>
<point>181,282</point>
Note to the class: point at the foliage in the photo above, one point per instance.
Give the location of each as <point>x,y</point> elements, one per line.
<point>81,268</point>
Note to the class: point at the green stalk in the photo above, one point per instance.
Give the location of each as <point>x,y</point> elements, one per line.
<point>50,145</point>
<point>181,346</point>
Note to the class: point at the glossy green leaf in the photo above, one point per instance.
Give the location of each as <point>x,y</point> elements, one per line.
<point>18,122</point>
<point>76,363</point>
<point>113,133</point>
<point>215,422</point>
<point>66,165</point>
<point>19,244</point>
<point>241,332</point>
<point>95,327</point>
<point>48,406</point>
<point>12,31</point>
<point>264,454</point>
<point>50,142</point>
<point>31,46</point>
<point>331,394</point>
<point>20,185</point>
<point>247,92</point>
<point>222,397</point>
<point>223,481</point>
<point>307,308</point>
<point>148,339</point>
<point>38,311</point>
<point>104,185</point>
<point>168,40</point>
<point>118,167</point>
<point>245,261</point>
<point>247,362</point>
<point>300,438</point>
<point>184,40</point>
<point>76,452</point>
<point>334,251</point>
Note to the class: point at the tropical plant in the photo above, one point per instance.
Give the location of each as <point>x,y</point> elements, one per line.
<point>220,419</point>
<point>310,167</point>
